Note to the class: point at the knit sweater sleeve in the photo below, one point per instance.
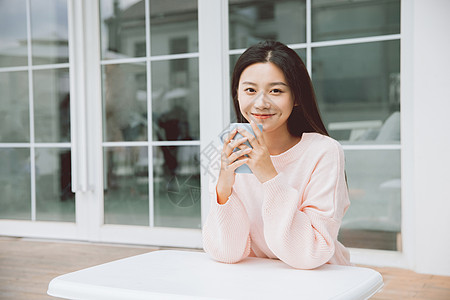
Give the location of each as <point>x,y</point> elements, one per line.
<point>301,225</point>
<point>226,232</point>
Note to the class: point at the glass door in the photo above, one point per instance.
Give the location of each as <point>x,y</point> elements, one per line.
<point>100,123</point>
<point>150,118</point>
<point>35,123</point>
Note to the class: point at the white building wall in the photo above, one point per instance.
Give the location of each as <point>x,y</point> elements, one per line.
<point>430,103</point>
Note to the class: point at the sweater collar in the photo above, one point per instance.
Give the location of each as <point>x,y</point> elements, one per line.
<point>293,153</point>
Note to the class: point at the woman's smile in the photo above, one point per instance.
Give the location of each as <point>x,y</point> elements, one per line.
<point>262,116</point>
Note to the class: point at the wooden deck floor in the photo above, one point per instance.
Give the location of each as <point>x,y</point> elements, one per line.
<point>27,266</point>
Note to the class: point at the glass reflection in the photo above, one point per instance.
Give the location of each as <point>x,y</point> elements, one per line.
<point>122,28</point>
<point>350,19</point>
<point>51,105</point>
<point>54,198</point>
<point>14,108</point>
<point>49,31</point>
<point>374,183</point>
<point>125,102</point>
<point>15,184</point>
<point>126,187</point>
<point>358,90</point>
<point>173,26</point>
<point>13,34</point>
<point>175,101</point>
<point>254,21</point>
<point>176,181</point>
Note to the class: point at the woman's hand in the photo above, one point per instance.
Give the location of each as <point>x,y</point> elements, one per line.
<point>259,157</point>
<point>229,162</point>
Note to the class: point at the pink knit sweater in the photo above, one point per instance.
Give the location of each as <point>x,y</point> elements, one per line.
<point>294,217</point>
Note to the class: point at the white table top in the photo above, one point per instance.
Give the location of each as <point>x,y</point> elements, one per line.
<point>169,274</point>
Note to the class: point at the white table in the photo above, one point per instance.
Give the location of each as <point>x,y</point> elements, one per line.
<point>193,275</point>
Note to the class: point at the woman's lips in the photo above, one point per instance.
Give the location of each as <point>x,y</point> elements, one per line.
<point>262,116</point>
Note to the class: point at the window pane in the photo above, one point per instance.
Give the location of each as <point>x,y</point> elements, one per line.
<point>350,19</point>
<point>51,105</point>
<point>176,179</point>
<point>358,90</point>
<point>15,202</point>
<point>125,102</point>
<point>14,108</point>
<point>13,33</point>
<point>254,21</point>
<point>122,28</point>
<point>173,26</point>
<point>175,101</point>
<point>126,187</point>
<point>375,193</point>
<point>54,198</point>
<point>49,31</point>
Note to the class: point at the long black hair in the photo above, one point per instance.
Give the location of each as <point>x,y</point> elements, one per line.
<point>305,116</point>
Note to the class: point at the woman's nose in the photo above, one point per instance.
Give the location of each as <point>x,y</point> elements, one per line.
<point>262,101</point>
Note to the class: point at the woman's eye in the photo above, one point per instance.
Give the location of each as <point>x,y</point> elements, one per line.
<point>276,91</point>
<point>250,90</point>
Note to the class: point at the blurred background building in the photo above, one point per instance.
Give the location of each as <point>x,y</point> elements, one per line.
<point>110,113</point>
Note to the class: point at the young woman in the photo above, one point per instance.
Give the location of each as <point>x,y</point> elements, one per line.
<point>291,207</point>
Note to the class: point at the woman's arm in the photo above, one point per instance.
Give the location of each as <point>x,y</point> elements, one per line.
<point>226,232</point>
<point>301,227</point>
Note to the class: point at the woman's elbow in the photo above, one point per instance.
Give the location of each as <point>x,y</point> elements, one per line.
<point>307,260</point>
<point>229,254</point>
<point>306,264</point>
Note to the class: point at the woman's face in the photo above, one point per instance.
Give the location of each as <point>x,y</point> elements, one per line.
<point>265,97</point>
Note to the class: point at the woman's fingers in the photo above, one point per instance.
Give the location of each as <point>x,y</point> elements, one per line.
<point>235,151</point>
<point>234,144</point>
<point>243,146</point>
<point>238,154</point>
<point>257,131</point>
<point>227,141</point>
<point>234,156</point>
<point>229,154</point>
<point>238,163</point>
<point>251,138</point>
<point>230,136</point>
